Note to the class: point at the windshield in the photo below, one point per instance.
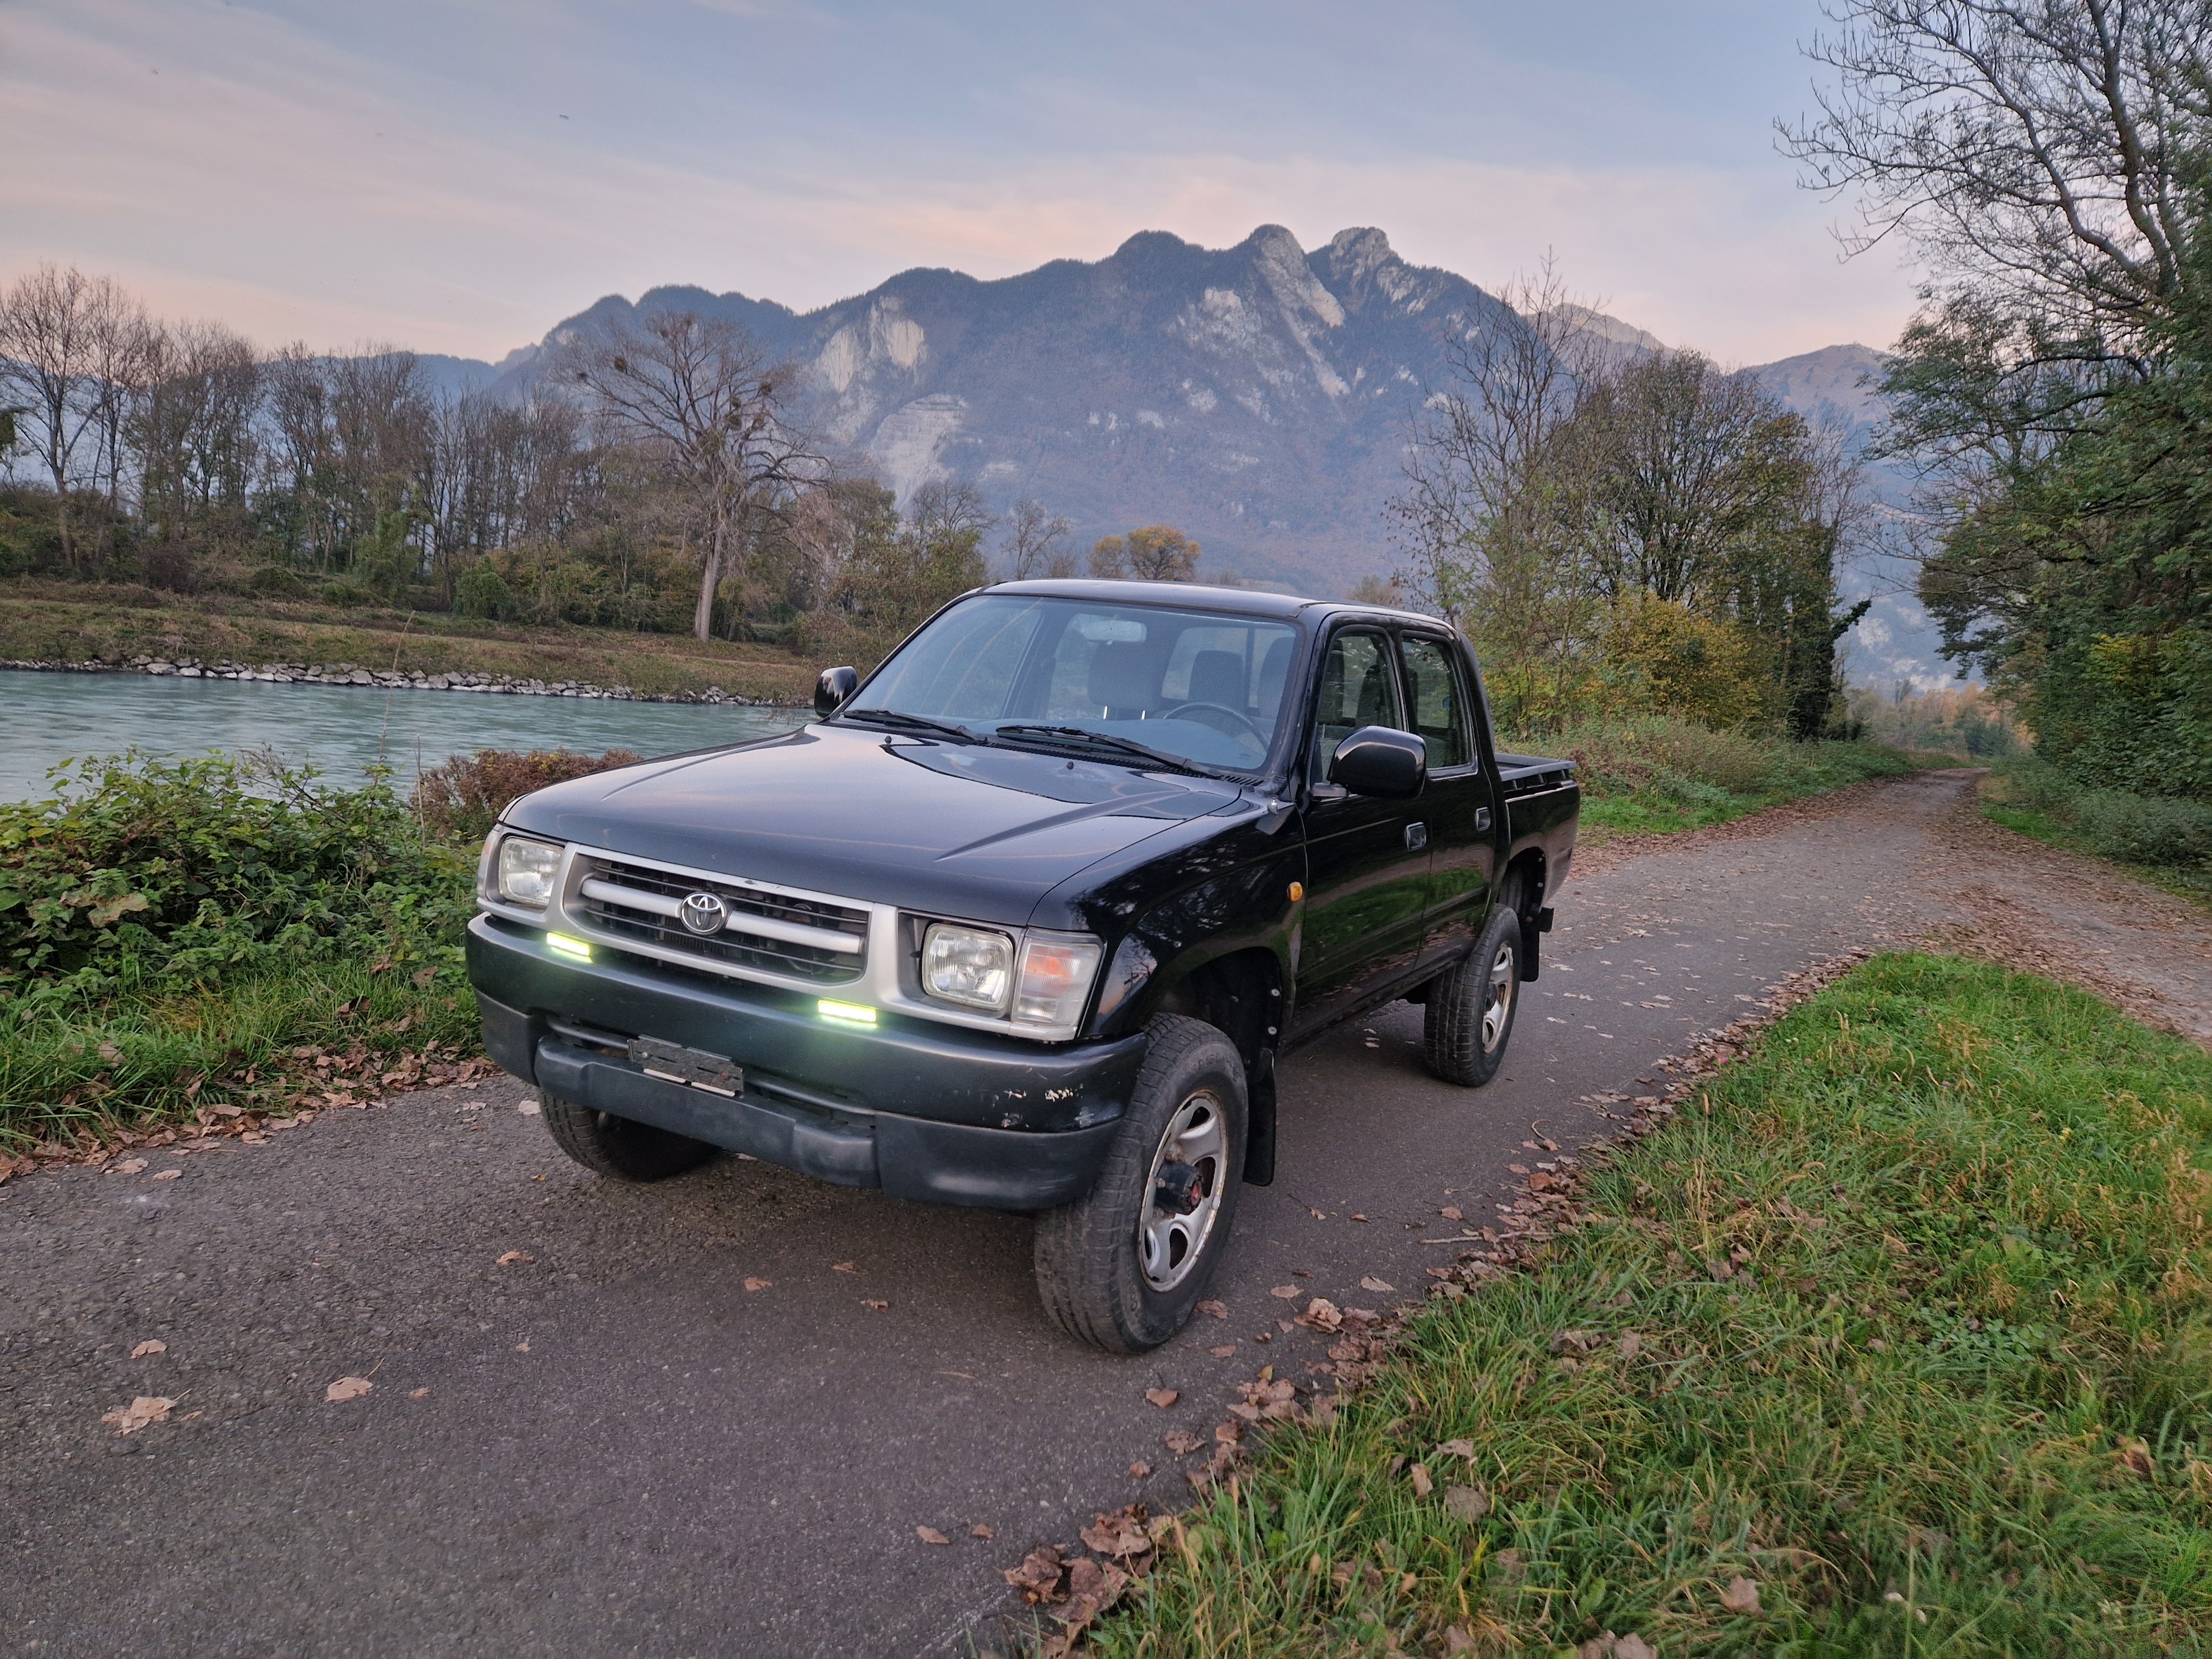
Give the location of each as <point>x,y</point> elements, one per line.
<point>1198,687</point>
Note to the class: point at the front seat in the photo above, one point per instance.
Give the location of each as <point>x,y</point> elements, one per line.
<point>1125,680</point>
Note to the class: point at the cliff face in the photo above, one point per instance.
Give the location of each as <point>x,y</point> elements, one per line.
<point>1256,397</point>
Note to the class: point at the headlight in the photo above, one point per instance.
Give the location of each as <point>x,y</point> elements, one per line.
<point>1056,976</point>
<point>526,869</point>
<point>966,965</point>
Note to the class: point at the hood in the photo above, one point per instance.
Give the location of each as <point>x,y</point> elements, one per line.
<point>962,831</point>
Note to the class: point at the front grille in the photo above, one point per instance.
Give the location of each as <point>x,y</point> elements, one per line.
<point>766,931</point>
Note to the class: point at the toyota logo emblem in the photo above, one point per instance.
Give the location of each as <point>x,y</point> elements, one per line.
<point>703,913</point>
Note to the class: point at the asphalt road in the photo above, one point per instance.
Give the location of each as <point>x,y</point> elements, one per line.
<point>613,1448</point>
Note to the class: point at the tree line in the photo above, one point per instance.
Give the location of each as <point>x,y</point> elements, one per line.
<point>2051,162</point>
<point>1625,530</point>
<point>659,477</point>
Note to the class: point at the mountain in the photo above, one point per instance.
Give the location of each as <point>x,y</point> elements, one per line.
<point>1256,397</point>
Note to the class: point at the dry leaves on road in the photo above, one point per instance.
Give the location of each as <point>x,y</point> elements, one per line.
<point>145,1409</point>
<point>1141,1470</point>
<point>527,1108</point>
<point>875,1305</point>
<point>346,1387</point>
<point>1182,1441</point>
<point>1224,1350</point>
<point>129,1166</point>
<point>1379,1286</point>
<point>514,1256</point>
<point>931,1535</point>
<point>1219,1310</point>
<point>1163,1398</point>
<point>1288,1292</point>
<point>981,1529</point>
<point>757,1284</point>
<point>167,1175</point>
<point>151,1344</point>
<point>844,1267</point>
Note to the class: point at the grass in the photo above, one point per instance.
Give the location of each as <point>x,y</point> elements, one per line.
<point>52,621</point>
<point>1923,1353</point>
<point>2030,800</point>
<point>1660,776</point>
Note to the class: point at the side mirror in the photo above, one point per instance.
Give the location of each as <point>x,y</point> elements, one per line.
<point>831,691</point>
<point>1377,761</point>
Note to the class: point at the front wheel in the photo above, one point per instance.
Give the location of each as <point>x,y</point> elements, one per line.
<point>1123,1265</point>
<point>1470,1010</point>
<point>620,1146</point>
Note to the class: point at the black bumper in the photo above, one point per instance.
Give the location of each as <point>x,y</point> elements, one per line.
<point>941,1114</point>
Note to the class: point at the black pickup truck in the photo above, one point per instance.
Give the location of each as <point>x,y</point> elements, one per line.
<point>1027,918</point>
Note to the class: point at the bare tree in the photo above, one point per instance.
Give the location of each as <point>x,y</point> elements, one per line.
<point>193,428</point>
<point>61,335</point>
<point>2030,149</point>
<point>702,395</point>
<point>1032,547</point>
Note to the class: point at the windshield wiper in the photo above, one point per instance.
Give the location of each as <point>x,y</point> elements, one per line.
<point>905,722</point>
<point>1083,737</point>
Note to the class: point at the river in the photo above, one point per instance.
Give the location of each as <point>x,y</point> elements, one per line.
<point>46,719</point>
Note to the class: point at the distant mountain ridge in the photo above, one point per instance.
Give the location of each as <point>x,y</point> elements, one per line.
<point>1257,397</point>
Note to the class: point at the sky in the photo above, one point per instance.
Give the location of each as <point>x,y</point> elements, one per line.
<point>458,175</point>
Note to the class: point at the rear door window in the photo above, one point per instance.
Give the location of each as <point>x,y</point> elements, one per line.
<point>1434,685</point>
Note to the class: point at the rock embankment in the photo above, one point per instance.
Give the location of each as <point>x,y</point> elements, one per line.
<point>346,673</point>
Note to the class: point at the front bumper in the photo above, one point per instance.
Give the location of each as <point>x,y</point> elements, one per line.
<point>941,1114</point>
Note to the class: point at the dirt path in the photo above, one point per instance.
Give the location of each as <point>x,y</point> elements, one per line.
<point>587,1436</point>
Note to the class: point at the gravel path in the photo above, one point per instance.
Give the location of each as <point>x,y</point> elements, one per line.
<point>586,1436</point>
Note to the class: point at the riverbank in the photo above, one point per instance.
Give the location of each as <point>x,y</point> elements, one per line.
<point>118,628</point>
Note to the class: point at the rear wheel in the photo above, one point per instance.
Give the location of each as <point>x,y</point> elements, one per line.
<point>619,1146</point>
<point>1123,1265</point>
<point>1469,1018</point>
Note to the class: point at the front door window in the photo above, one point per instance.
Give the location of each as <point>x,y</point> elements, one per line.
<point>1357,689</point>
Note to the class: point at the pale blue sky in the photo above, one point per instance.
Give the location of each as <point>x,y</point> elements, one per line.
<point>456,175</point>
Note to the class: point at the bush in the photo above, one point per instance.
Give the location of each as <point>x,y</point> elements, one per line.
<point>2146,829</point>
<point>1622,757</point>
<point>459,801</point>
<point>339,591</point>
<point>275,579</point>
<point>481,592</point>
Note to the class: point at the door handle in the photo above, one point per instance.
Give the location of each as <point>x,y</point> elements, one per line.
<point>1482,817</point>
<point>1417,836</point>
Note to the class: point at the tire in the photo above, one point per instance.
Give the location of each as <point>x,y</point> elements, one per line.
<point>1471,1008</point>
<point>1097,1279</point>
<point>620,1147</point>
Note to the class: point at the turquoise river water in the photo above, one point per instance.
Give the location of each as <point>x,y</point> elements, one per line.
<point>46,719</point>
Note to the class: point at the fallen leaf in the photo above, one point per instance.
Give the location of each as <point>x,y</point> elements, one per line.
<point>523,1346</point>
<point>1163,1398</point>
<point>1570,1342</point>
<point>1456,1448</point>
<point>111,1053</point>
<point>1518,1169</point>
<point>1423,1485</point>
<point>1381,1287</point>
<point>981,1530</point>
<point>931,1535</point>
<point>1358,1218</point>
<point>1741,1596</point>
<point>757,1284</point>
<point>145,1409</point>
<point>418,1394</point>
<point>1038,1577</point>
<point>1182,1441</point>
<point>1466,1503</point>
<point>1451,1212</point>
<point>346,1387</point>
<point>1140,1471</point>
<point>1321,1315</point>
<point>1630,1345</point>
<point>844,1267</point>
<point>167,1175</point>
<point>514,1256</point>
<point>1224,1350</point>
<point>527,1108</point>
<point>874,1305</point>
<point>151,1344</point>
<point>129,1166</point>
<point>1632,1647</point>
<point>1456,1640</point>
<point>1288,1292</point>
<point>1120,1536</point>
<point>1219,1310</point>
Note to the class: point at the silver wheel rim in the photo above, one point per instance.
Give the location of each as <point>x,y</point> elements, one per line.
<point>1498,999</point>
<point>1169,1245</point>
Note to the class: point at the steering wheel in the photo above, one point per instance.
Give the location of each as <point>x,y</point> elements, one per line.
<point>1259,737</point>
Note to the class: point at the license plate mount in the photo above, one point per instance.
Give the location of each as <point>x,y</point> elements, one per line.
<point>672,1062</point>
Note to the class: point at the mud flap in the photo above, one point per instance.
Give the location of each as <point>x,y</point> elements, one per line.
<point>1260,1122</point>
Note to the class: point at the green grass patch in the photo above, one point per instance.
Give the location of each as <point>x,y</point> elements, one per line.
<point>1923,1350</point>
<point>1660,776</point>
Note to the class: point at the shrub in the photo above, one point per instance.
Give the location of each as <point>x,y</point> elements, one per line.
<point>480,592</point>
<point>459,801</point>
<point>2146,829</point>
<point>1622,757</point>
<point>276,580</point>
